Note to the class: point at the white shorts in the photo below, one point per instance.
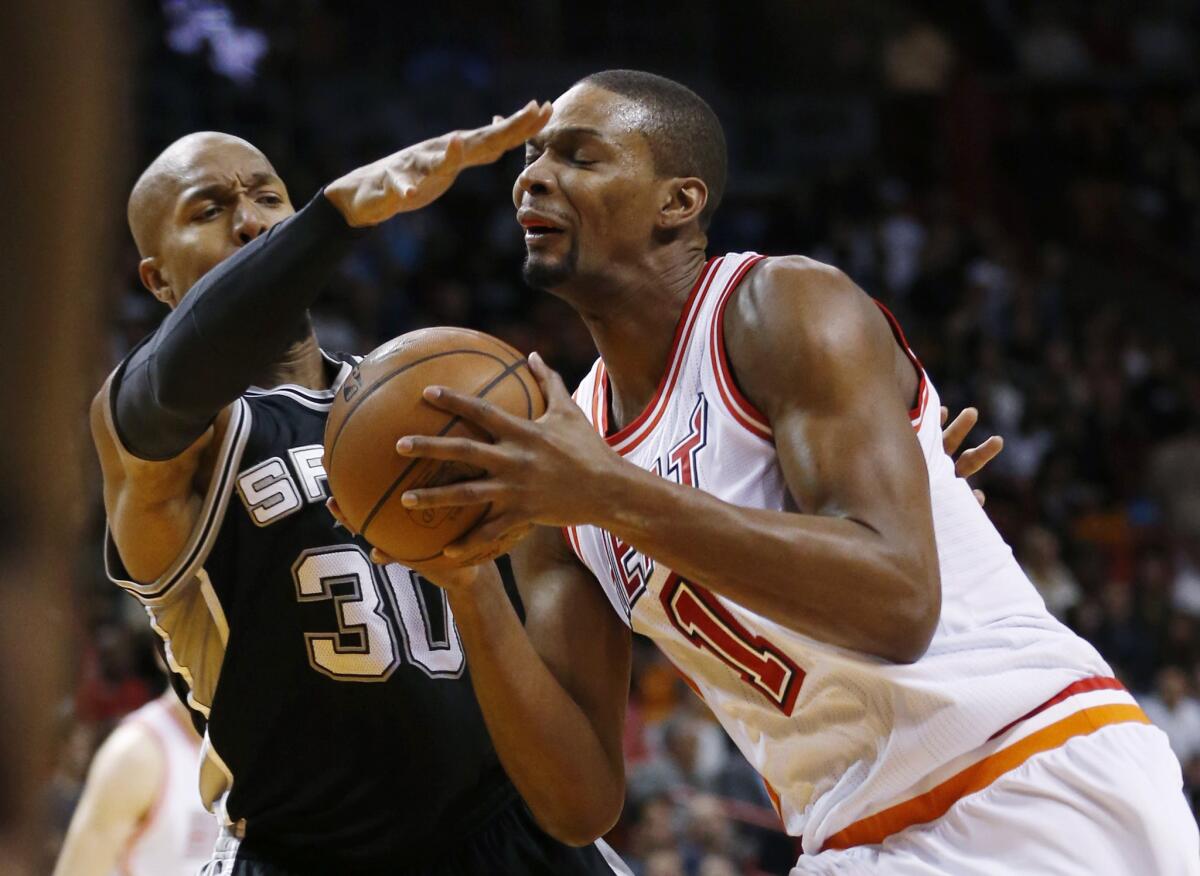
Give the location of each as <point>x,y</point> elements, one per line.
<point>1106,804</point>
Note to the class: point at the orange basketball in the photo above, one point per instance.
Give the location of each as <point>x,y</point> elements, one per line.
<point>381,401</point>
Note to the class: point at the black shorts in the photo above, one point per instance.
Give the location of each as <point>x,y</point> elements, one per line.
<point>510,843</point>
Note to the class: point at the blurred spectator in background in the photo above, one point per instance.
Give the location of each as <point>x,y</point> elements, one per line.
<point>664,862</point>
<point>709,835</point>
<point>918,59</point>
<point>1040,559</point>
<point>75,753</point>
<point>1175,712</point>
<point>140,812</point>
<point>1050,47</point>
<point>109,686</point>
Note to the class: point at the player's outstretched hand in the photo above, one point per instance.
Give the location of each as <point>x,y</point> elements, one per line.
<point>415,177</point>
<point>970,462</point>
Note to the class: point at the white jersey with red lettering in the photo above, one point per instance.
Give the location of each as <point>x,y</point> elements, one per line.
<point>853,748</point>
<point>177,835</point>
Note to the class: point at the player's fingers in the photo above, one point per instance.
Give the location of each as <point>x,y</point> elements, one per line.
<point>953,435</point>
<point>980,497</point>
<point>476,492</point>
<point>447,573</point>
<point>496,422</point>
<point>524,123</point>
<point>401,182</point>
<point>453,156</point>
<point>489,540</point>
<point>945,416</point>
<point>332,505</point>
<point>549,380</point>
<point>379,558</point>
<point>474,453</point>
<point>486,144</point>
<point>973,461</point>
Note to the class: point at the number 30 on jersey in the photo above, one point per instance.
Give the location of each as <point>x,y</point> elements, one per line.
<point>381,611</point>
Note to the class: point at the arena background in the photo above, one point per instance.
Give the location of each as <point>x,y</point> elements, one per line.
<point>1018,181</point>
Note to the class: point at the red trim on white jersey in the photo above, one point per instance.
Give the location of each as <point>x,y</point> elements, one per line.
<point>125,862</point>
<point>599,399</point>
<point>573,542</point>
<point>917,412</point>
<point>633,434</point>
<point>739,407</point>
<point>1085,685</point>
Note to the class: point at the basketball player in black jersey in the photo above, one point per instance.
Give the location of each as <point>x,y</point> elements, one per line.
<point>343,734</point>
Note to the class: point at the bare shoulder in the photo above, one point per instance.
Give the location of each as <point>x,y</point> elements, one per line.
<point>796,317</point>
<point>787,295</point>
<point>100,419</point>
<point>152,506</point>
<point>123,780</point>
<point>130,751</point>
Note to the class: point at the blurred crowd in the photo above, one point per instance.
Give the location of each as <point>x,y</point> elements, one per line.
<point>1019,182</point>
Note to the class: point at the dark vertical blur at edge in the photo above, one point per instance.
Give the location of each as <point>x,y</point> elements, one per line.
<point>62,143</point>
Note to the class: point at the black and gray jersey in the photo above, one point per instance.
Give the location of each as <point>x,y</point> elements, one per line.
<point>343,733</point>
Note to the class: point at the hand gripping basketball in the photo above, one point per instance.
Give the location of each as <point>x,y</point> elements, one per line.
<point>552,470</point>
<point>418,175</point>
<point>381,401</point>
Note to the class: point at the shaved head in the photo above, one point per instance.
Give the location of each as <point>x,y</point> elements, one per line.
<point>206,196</point>
<point>160,184</point>
<point>685,135</point>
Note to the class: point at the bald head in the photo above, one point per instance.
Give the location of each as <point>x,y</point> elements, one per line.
<point>186,162</point>
<point>197,204</point>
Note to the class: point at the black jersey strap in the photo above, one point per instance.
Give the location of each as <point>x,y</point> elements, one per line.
<point>228,329</point>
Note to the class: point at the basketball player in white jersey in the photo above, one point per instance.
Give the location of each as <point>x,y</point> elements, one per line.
<point>753,475</point>
<point>140,813</point>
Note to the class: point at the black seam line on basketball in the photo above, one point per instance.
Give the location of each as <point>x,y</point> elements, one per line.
<point>370,390</point>
<point>385,378</point>
<point>496,381</point>
<point>528,397</point>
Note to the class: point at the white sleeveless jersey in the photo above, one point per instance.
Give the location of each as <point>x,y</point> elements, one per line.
<point>177,835</point>
<point>851,747</point>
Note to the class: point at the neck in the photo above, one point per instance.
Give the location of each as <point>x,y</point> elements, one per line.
<point>301,364</point>
<point>631,313</point>
<point>179,713</point>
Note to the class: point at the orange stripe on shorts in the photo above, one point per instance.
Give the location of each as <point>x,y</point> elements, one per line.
<point>937,801</point>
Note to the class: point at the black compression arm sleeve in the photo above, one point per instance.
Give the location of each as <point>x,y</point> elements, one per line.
<point>229,328</point>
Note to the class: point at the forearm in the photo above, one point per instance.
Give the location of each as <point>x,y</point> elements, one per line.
<point>832,578</point>
<point>228,329</point>
<point>544,739</point>
<point>91,849</point>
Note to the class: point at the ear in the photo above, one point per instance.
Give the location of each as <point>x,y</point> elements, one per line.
<point>683,202</point>
<point>152,278</point>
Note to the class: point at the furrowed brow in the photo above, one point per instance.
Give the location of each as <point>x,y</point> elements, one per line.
<point>216,191</point>
<point>211,192</point>
<point>260,179</point>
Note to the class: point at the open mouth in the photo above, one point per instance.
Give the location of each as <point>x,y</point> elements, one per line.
<point>537,225</point>
<point>541,230</point>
